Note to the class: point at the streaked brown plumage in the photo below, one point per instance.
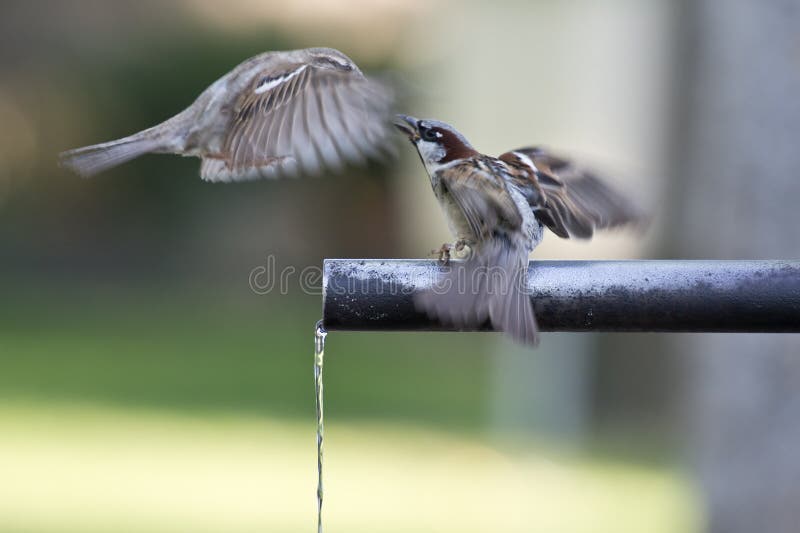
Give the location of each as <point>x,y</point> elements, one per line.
<point>570,201</point>
<point>275,114</point>
<point>498,207</point>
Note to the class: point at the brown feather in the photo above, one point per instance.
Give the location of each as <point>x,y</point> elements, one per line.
<point>570,201</point>
<point>454,147</point>
<point>482,197</point>
<point>491,285</point>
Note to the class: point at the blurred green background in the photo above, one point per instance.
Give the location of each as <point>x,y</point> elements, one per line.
<point>145,387</point>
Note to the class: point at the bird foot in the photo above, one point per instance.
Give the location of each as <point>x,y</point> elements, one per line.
<point>443,253</point>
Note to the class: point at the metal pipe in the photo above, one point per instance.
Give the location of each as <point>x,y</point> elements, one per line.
<point>699,296</point>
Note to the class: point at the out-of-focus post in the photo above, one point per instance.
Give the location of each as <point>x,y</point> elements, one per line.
<point>736,181</point>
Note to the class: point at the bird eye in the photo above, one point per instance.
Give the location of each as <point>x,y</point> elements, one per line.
<point>428,134</point>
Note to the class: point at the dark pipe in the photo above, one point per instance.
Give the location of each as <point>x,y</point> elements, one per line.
<point>700,296</point>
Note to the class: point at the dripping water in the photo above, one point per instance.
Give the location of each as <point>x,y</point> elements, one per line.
<point>319,354</point>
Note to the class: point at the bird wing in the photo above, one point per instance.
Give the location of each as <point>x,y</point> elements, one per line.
<point>299,116</point>
<point>482,196</point>
<point>492,283</point>
<point>570,201</point>
<point>491,286</point>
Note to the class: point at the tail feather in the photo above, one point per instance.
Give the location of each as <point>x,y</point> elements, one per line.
<point>91,160</point>
<point>490,286</point>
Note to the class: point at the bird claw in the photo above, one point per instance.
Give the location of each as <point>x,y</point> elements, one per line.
<point>443,254</point>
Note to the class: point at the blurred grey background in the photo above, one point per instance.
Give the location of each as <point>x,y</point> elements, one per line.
<point>145,387</point>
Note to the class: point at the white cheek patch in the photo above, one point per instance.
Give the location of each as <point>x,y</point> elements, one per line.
<point>430,152</point>
<point>269,83</point>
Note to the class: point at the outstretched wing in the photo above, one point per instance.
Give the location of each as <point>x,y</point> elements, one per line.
<point>570,201</point>
<point>302,117</point>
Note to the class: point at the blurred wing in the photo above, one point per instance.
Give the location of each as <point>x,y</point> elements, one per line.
<point>302,117</point>
<point>482,196</point>
<point>573,202</point>
<point>489,286</point>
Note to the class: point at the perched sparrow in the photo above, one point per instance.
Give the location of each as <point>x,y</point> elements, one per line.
<point>498,208</point>
<point>274,114</point>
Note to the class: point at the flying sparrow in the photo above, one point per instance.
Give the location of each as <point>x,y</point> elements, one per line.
<point>275,114</point>
<point>498,207</point>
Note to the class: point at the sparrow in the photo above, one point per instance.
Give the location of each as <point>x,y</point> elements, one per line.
<point>498,207</point>
<point>278,113</point>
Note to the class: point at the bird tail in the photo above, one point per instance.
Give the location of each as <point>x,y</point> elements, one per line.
<point>492,285</point>
<point>91,160</point>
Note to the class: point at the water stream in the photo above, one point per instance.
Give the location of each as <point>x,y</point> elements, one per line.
<point>319,354</point>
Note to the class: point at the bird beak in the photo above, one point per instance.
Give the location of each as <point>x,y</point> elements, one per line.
<point>407,125</point>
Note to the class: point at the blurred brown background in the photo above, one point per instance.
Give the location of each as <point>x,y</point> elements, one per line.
<point>145,387</point>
